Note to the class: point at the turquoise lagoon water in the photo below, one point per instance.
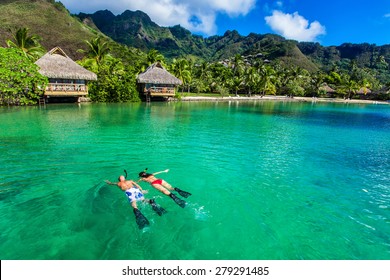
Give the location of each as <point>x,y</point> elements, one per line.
<point>270,180</point>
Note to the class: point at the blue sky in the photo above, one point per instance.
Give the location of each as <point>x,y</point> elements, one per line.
<point>330,22</point>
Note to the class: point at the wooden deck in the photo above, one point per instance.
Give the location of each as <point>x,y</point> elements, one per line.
<point>57,89</point>
<point>160,91</point>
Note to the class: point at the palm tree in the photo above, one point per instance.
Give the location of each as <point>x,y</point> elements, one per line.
<point>252,78</point>
<point>267,82</point>
<point>181,69</point>
<point>317,82</point>
<point>350,86</point>
<point>154,56</point>
<point>96,53</point>
<point>299,78</point>
<point>29,45</point>
<point>237,65</point>
<point>235,84</point>
<point>204,72</point>
<point>202,76</point>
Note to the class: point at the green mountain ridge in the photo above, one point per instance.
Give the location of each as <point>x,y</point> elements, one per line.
<point>48,19</point>
<point>138,30</point>
<point>57,27</point>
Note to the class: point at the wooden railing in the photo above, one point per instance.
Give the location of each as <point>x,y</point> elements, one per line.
<point>160,91</point>
<point>66,89</point>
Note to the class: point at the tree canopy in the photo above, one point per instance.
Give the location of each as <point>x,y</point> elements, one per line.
<point>29,45</point>
<point>116,81</point>
<point>20,81</point>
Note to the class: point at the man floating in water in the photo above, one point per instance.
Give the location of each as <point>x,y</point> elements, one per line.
<point>135,193</point>
<point>163,186</point>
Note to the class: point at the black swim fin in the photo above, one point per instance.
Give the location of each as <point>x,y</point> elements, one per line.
<point>140,219</point>
<point>178,201</point>
<point>182,193</point>
<point>157,208</point>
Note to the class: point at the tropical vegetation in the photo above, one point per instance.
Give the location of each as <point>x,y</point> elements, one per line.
<point>248,76</point>
<point>29,45</point>
<point>116,81</point>
<point>226,65</point>
<point>20,81</point>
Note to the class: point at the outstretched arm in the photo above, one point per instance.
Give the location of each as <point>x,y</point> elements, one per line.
<point>135,184</point>
<point>138,186</point>
<point>164,171</point>
<point>110,183</point>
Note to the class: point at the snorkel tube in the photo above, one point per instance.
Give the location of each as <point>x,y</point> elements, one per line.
<point>143,174</point>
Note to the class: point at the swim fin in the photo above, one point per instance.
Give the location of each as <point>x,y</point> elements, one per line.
<point>157,208</point>
<point>182,193</point>
<point>178,201</point>
<point>140,219</point>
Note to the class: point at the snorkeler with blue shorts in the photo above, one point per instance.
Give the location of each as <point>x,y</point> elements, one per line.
<point>135,193</point>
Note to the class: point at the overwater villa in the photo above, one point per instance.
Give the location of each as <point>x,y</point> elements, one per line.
<point>66,77</point>
<point>157,81</point>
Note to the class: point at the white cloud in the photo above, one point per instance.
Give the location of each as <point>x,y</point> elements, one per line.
<point>293,26</point>
<point>387,15</point>
<point>279,3</point>
<point>231,7</point>
<point>195,15</point>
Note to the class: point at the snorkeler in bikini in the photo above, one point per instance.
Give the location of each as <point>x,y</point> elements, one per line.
<point>163,186</point>
<point>135,193</point>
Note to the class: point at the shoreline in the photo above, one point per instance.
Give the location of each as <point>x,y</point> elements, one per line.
<point>280,98</point>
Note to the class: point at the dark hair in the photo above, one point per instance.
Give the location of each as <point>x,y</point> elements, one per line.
<point>143,174</point>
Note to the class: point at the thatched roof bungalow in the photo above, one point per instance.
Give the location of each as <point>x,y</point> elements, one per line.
<point>157,81</point>
<point>327,90</point>
<point>363,91</point>
<point>66,77</point>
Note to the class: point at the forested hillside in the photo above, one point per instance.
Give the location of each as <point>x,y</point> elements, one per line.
<point>138,30</point>
<point>118,47</point>
<point>48,19</point>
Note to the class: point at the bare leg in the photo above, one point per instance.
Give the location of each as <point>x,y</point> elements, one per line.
<point>169,187</point>
<point>161,189</point>
<point>166,185</point>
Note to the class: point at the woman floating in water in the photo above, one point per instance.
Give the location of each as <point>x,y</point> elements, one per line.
<point>163,186</point>
<point>135,193</point>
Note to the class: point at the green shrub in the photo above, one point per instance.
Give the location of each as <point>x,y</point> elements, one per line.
<point>20,81</point>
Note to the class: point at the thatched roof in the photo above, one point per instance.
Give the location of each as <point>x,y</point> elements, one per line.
<point>327,88</point>
<point>157,74</point>
<point>56,64</point>
<point>363,90</point>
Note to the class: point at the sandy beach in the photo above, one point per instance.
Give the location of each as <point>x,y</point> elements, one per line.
<point>280,98</point>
